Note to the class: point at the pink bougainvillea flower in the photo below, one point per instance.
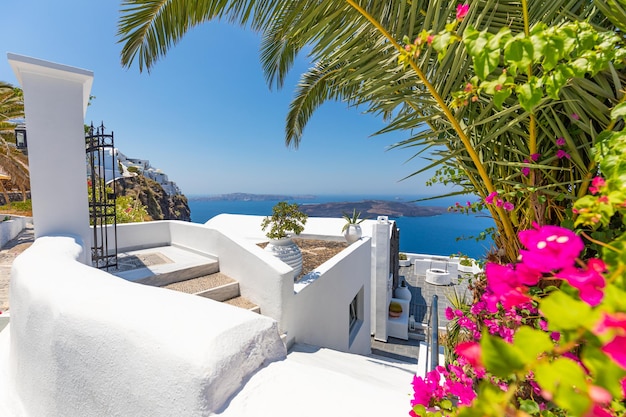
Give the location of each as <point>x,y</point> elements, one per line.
<point>549,248</point>
<point>596,184</point>
<point>527,276</point>
<point>600,395</point>
<point>503,281</point>
<point>508,206</point>
<point>526,170</point>
<point>461,11</point>
<point>598,411</point>
<point>471,352</point>
<point>449,313</point>
<point>422,391</point>
<point>499,203</point>
<point>535,157</point>
<point>430,39</point>
<point>589,282</point>
<point>614,324</point>
<point>575,116</point>
<point>560,141</point>
<point>562,154</point>
<point>490,197</point>
<point>468,204</point>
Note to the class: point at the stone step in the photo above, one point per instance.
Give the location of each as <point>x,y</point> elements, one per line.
<point>161,266</point>
<point>243,303</point>
<point>216,286</point>
<point>164,278</point>
<point>202,283</point>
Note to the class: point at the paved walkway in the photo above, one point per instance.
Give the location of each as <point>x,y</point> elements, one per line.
<point>7,254</point>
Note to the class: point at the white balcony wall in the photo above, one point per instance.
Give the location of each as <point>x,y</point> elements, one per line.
<point>316,312</point>
<point>319,311</point>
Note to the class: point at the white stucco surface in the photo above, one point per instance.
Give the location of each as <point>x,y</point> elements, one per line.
<point>84,343</point>
<point>55,102</point>
<point>314,382</point>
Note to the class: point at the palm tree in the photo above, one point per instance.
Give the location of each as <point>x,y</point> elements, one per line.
<point>13,163</point>
<point>355,47</point>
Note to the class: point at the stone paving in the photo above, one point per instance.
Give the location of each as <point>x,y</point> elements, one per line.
<point>7,254</point>
<point>422,294</point>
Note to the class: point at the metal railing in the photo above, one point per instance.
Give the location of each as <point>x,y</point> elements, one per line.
<point>432,354</point>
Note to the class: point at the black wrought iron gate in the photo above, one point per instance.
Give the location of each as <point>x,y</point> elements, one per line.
<point>101,182</point>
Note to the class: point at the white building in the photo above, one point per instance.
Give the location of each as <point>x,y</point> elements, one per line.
<point>82,342</point>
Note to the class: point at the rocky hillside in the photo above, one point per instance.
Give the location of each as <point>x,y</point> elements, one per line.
<point>160,206</point>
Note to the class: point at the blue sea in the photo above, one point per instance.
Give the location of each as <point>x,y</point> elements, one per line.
<point>443,235</point>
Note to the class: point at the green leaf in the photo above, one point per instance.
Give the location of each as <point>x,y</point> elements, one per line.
<point>604,370</point>
<point>420,410</point>
<point>580,67</point>
<point>500,96</point>
<point>484,48</point>
<point>532,342</point>
<point>552,52</point>
<point>486,404</point>
<point>565,313</point>
<point>565,380</point>
<point>529,406</point>
<point>519,51</point>
<point>529,94</point>
<point>499,357</point>
<point>618,111</point>
<point>556,80</point>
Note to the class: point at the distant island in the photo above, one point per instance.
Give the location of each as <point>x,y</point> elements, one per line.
<point>369,208</point>
<point>253,197</point>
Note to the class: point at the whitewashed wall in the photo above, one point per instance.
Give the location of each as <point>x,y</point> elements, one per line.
<point>9,229</point>
<point>84,343</point>
<point>55,102</point>
<point>268,282</point>
<point>318,313</point>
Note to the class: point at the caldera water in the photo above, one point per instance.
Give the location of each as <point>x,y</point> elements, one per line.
<point>444,235</point>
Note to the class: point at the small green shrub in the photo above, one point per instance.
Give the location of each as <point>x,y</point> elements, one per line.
<point>395,307</point>
<point>286,219</point>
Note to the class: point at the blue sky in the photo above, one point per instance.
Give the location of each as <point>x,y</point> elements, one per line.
<point>204,114</point>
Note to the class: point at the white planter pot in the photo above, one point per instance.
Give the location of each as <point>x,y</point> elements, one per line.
<point>403,293</point>
<point>353,233</point>
<point>466,269</point>
<point>404,262</point>
<point>438,276</point>
<point>288,252</point>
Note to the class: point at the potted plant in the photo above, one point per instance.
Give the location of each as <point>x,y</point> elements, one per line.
<point>352,229</point>
<point>286,220</point>
<point>395,309</point>
<point>403,260</point>
<point>466,264</point>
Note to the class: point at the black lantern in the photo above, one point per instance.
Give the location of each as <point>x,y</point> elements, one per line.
<point>20,137</point>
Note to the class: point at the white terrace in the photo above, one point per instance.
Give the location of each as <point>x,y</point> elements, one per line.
<point>83,342</point>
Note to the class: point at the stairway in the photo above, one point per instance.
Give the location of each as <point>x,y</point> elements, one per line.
<point>216,286</point>
<point>181,270</point>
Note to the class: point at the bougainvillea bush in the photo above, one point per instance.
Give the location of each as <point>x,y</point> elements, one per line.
<point>549,331</point>
<point>545,334</point>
